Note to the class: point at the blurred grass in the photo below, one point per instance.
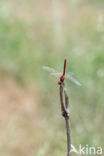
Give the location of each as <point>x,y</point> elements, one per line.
<point>33,34</point>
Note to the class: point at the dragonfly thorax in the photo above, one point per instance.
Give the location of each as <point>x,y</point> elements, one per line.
<point>62,78</point>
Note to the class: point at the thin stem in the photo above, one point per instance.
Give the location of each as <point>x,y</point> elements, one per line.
<point>65,114</point>
<point>61,99</point>
<point>68,136</point>
<point>67,124</point>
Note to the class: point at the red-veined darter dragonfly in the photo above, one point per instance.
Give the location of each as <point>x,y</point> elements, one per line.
<point>68,76</point>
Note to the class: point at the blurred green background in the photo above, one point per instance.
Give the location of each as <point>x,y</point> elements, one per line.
<point>37,33</point>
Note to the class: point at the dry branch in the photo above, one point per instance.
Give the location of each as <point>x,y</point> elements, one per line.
<point>65,114</point>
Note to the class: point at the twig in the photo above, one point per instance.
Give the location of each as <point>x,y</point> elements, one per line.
<point>65,114</point>
<point>67,124</point>
<point>61,99</point>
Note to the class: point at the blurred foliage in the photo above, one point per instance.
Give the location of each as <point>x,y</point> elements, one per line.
<point>33,34</point>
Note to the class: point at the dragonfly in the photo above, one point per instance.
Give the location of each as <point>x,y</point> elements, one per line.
<point>68,76</point>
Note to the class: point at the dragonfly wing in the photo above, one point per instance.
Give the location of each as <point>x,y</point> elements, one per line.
<point>69,76</point>
<point>75,81</point>
<point>56,74</point>
<point>49,69</point>
<point>71,73</point>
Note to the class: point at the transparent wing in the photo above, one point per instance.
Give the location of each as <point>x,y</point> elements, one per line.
<point>68,76</point>
<point>49,69</point>
<point>70,73</point>
<point>56,74</point>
